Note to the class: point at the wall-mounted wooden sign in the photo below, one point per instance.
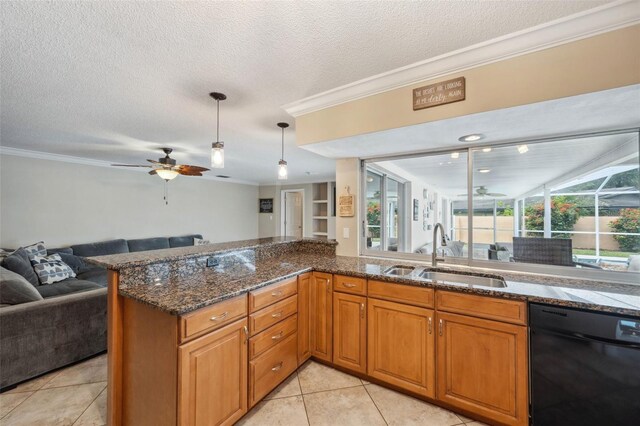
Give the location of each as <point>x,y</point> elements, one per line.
<point>346,205</point>
<point>441,93</point>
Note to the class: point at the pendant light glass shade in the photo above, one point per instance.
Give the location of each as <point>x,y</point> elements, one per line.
<point>283,174</point>
<point>282,170</point>
<point>167,174</point>
<point>217,155</point>
<point>217,148</point>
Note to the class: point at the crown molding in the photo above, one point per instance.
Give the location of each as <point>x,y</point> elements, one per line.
<point>602,19</point>
<point>39,155</point>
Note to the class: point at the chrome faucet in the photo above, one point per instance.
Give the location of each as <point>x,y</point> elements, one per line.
<point>434,253</point>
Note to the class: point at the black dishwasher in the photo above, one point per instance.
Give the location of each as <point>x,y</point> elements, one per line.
<point>585,367</point>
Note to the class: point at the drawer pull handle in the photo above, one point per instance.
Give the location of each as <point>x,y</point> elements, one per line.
<point>277,293</point>
<point>219,317</point>
<point>362,310</point>
<point>277,336</point>
<point>246,333</point>
<point>441,326</point>
<point>429,325</point>
<point>277,367</point>
<point>276,315</point>
<point>348,285</point>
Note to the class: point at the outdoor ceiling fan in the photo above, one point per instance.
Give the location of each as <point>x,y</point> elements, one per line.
<point>167,168</point>
<point>482,191</point>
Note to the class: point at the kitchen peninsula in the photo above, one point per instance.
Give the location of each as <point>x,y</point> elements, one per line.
<point>198,335</point>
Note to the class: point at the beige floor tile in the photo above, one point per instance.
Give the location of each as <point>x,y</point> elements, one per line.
<point>277,412</point>
<point>400,410</point>
<point>57,406</point>
<point>96,413</point>
<point>91,371</point>
<point>34,384</point>
<point>315,377</point>
<point>9,401</point>
<point>351,406</point>
<point>476,423</point>
<point>290,387</point>
<point>364,382</point>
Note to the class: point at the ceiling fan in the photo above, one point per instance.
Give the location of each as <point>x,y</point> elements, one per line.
<point>167,168</point>
<point>482,191</point>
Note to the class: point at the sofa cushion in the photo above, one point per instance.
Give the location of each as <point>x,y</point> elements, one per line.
<point>66,250</point>
<point>96,275</point>
<point>51,269</point>
<point>145,244</point>
<point>19,262</point>
<point>183,241</point>
<point>100,249</point>
<point>70,285</point>
<point>76,263</point>
<point>15,289</point>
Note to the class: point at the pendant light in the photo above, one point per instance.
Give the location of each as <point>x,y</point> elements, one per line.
<point>217,148</point>
<point>282,165</point>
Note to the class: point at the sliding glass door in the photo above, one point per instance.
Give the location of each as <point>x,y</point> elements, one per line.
<point>385,206</point>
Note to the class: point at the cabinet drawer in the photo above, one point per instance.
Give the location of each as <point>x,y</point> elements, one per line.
<point>272,336</point>
<point>212,317</point>
<point>272,367</point>
<point>269,295</point>
<point>412,295</point>
<point>482,306</point>
<point>270,315</point>
<point>348,284</point>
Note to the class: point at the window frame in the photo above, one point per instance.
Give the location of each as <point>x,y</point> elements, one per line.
<point>530,268</point>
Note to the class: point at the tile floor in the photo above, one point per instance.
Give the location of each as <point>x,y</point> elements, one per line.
<point>315,395</point>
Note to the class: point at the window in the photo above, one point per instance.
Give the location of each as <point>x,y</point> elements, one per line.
<point>553,204</point>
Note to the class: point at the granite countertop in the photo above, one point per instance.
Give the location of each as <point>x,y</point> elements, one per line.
<point>181,287</point>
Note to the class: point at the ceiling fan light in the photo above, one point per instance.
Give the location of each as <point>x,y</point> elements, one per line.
<point>217,155</point>
<point>283,174</point>
<point>166,174</point>
<point>522,149</point>
<point>471,138</point>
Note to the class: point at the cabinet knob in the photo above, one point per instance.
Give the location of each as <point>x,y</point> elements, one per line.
<point>277,367</point>
<point>219,317</point>
<point>276,315</point>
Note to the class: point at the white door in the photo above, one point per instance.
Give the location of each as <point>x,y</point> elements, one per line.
<point>293,214</point>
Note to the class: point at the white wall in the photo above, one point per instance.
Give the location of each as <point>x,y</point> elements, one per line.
<point>269,224</point>
<point>64,203</point>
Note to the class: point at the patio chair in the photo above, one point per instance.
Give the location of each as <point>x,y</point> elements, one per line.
<point>547,251</point>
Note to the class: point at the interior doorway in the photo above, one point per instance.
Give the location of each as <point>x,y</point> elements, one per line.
<point>292,224</point>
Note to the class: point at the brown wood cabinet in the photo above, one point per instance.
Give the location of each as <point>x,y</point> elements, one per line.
<point>304,326</point>
<point>401,347</point>
<point>207,393</point>
<point>350,331</point>
<point>321,317</point>
<point>482,367</point>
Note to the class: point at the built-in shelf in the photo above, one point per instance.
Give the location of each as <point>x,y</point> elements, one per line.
<point>323,234</point>
<point>320,201</point>
<point>323,210</point>
<point>321,217</point>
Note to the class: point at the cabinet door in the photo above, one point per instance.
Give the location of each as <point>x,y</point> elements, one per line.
<point>321,315</point>
<point>482,367</point>
<point>212,385</point>
<point>304,326</point>
<point>349,331</point>
<point>401,346</point>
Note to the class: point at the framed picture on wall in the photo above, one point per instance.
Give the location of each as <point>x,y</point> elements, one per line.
<point>266,205</point>
<point>415,209</point>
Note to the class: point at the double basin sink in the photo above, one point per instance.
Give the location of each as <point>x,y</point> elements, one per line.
<point>447,277</point>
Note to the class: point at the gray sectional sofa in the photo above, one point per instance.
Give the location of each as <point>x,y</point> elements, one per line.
<point>64,322</point>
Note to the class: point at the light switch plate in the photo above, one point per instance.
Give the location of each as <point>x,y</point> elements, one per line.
<point>345,232</point>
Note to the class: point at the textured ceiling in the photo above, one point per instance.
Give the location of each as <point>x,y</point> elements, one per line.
<point>114,80</point>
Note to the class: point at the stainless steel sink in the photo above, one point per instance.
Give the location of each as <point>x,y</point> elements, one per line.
<point>471,280</point>
<point>399,270</point>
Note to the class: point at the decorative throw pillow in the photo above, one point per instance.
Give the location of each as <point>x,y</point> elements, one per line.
<point>200,242</point>
<point>15,289</point>
<point>18,262</point>
<point>36,249</point>
<point>51,269</point>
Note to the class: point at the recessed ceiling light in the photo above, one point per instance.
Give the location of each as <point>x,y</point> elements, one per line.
<point>486,149</point>
<point>522,149</point>
<point>474,137</point>
<point>455,154</point>
<point>223,176</point>
<point>484,170</point>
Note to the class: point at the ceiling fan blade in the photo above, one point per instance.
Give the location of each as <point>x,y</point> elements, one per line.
<point>495,194</point>
<point>153,172</point>
<point>130,165</point>
<point>189,172</point>
<point>191,168</point>
<point>153,161</point>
